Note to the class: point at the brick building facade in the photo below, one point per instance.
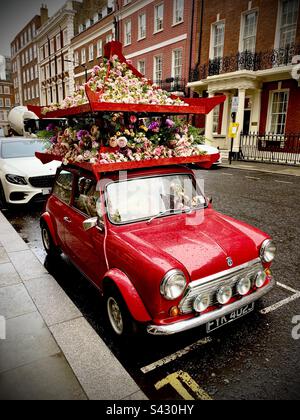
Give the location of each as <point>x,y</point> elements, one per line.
<point>6,94</point>
<point>25,63</point>
<point>157,36</point>
<point>249,50</point>
<point>95,28</point>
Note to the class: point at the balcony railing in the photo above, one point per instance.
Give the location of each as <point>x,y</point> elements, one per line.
<point>246,61</point>
<point>173,84</point>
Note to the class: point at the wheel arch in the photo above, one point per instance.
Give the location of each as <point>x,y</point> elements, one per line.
<point>46,219</point>
<point>116,278</point>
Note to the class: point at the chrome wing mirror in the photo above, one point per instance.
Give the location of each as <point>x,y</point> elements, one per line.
<point>90,223</point>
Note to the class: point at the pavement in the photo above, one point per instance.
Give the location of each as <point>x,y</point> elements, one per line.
<point>263,167</point>
<point>50,351</point>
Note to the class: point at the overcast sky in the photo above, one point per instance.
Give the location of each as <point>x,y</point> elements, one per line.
<point>15,14</point>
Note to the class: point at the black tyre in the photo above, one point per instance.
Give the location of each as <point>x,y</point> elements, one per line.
<point>3,203</point>
<point>50,248</point>
<point>118,316</point>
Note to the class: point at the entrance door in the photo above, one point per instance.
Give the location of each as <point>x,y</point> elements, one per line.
<point>247,120</point>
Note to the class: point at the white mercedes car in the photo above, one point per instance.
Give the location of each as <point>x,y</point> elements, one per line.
<point>23,178</point>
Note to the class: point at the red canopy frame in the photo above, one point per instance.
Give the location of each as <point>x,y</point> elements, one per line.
<point>204,161</point>
<point>202,106</point>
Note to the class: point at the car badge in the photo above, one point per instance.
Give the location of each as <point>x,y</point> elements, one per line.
<point>229,262</point>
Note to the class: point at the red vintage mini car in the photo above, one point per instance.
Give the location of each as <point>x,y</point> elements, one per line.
<point>156,249</point>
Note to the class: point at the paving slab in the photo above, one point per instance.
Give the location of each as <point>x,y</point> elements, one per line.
<point>8,275</point>
<point>28,340</point>
<point>52,302</point>
<point>98,371</point>
<point>27,265</point>
<point>15,301</point>
<point>50,378</point>
<point>3,256</point>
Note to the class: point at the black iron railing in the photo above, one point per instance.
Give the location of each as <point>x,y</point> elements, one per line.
<point>246,61</point>
<point>273,148</point>
<point>173,84</point>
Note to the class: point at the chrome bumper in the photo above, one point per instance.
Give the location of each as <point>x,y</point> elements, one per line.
<point>211,316</point>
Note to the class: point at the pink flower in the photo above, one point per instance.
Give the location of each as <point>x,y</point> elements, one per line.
<point>122,142</point>
<point>133,119</point>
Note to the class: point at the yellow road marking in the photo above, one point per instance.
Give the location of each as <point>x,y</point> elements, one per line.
<point>177,379</point>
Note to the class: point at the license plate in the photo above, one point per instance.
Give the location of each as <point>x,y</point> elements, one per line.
<point>228,319</point>
<point>46,191</point>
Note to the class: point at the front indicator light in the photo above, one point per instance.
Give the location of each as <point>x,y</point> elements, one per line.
<point>201,303</point>
<point>224,295</point>
<point>261,279</point>
<point>244,286</point>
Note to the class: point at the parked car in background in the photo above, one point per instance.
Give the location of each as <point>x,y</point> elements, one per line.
<point>23,178</point>
<point>210,150</point>
<point>160,255</point>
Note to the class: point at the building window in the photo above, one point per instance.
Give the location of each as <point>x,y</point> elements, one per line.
<point>99,48</point>
<point>91,52</point>
<point>249,28</point>
<point>177,64</point>
<point>52,46</point>
<point>65,37</point>
<point>127,32</point>
<point>159,18</point>
<point>178,11</point>
<point>58,42</point>
<point>46,50</point>
<point>37,91</point>
<point>109,38</point>
<point>142,67</point>
<point>288,22</point>
<point>53,70</point>
<point>32,92</point>
<point>76,58</point>
<point>278,112</point>
<point>216,120</point>
<point>42,56</point>
<point>59,66</point>
<point>142,26</point>
<point>83,56</point>
<point>1,103</point>
<point>218,32</point>
<point>47,71</point>
<point>126,2</point>
<point>158,69</point>
<point>6,90</point>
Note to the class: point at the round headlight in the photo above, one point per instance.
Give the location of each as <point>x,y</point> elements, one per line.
<point>224,295</point>
<point>201,303</point>
<point>268,251</point>
<point>173,285</point>
<point>244,286</point>
<point>260,279</point>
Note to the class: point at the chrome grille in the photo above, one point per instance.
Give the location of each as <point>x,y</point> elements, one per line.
<point>212,284</point>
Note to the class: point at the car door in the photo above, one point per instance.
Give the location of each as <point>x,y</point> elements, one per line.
<point>59,203</point>
<point>86,247</point>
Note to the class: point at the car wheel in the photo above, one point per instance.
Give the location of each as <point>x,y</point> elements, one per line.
<point>118,316</point>
<point>3,203</point>
<point>48,243</point>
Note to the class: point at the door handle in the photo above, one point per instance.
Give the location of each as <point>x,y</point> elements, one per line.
<point>67,220</point>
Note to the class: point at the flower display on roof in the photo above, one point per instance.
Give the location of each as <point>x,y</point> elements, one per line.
<point>117,83</point>
<point>123,138</point>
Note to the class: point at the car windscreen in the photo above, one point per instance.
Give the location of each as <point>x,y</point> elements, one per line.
<point>12,149</point>
<point>143,198</point>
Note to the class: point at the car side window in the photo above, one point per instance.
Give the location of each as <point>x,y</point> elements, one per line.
<point>86,196</point>
<point>63,186</point>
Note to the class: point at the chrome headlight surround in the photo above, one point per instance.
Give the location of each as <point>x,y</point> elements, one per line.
<point>16,179</point>
<point>173,285</point>
<point>268,251</point>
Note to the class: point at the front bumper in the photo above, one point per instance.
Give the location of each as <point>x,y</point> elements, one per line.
<point>211,316</point>
<point>22,194</point>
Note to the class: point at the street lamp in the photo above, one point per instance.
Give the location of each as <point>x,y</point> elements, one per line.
<point>79,65</point>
